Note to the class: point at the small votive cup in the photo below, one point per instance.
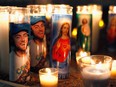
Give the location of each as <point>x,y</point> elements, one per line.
<point>96,72</point>
<point>48,77</point>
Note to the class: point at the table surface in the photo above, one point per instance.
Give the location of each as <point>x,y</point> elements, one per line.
<point>74,80</point>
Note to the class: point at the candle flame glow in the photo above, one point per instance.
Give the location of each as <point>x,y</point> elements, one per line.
<point>48,71</point>
<point>82,54</point>
<point>99,65</point>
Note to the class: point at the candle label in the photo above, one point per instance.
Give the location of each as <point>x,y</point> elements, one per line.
<point>84,32</point>
<point>37,43</point>
<point>19,53</point>
<point>111,32</point>
<point>60,49</point>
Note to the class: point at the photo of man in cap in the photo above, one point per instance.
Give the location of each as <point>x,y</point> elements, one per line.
<point>37,44</point>
<point>19,55</point>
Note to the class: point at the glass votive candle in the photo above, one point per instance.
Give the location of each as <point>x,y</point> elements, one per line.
<point>48,77</point>
<point>96,72</point>
<point>80,54</point>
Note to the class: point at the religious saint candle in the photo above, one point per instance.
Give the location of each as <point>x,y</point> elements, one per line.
<point>60,46</point>
<point>48,77</point>
<point>84,28</point>
<point>111,29</point>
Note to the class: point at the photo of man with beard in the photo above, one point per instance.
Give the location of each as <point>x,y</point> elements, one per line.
<point>37,45</point>
<point>19,54</point>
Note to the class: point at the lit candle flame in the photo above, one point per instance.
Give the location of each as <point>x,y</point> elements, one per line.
<point>48,71</point>
<point>82,54</point>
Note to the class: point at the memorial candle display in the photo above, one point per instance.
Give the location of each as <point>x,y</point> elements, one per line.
<point>97,72</point>
<point>4,39</point>
<point>48,77</point>
<point>60,47</point>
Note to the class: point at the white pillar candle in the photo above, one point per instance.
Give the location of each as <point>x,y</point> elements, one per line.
<point>48,78</point>
<point>96,17</point>
<point>4,40</point>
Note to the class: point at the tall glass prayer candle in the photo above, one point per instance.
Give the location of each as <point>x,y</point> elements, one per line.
<point>84,26</point>
<point>111,29</point>
<point>4,39</point>
<point>19,50</point>
<point>96,11</point>
<point>60,47</point>
<point>37,41</point>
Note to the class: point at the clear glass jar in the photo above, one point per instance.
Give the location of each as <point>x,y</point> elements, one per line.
<point>19,15</point>
<point>37,10</point>
<point>83,9</point>
<point>62,9</point>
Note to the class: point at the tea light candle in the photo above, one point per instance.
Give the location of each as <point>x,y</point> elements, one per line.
<point>113,70</point>
<point>48,79</point>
